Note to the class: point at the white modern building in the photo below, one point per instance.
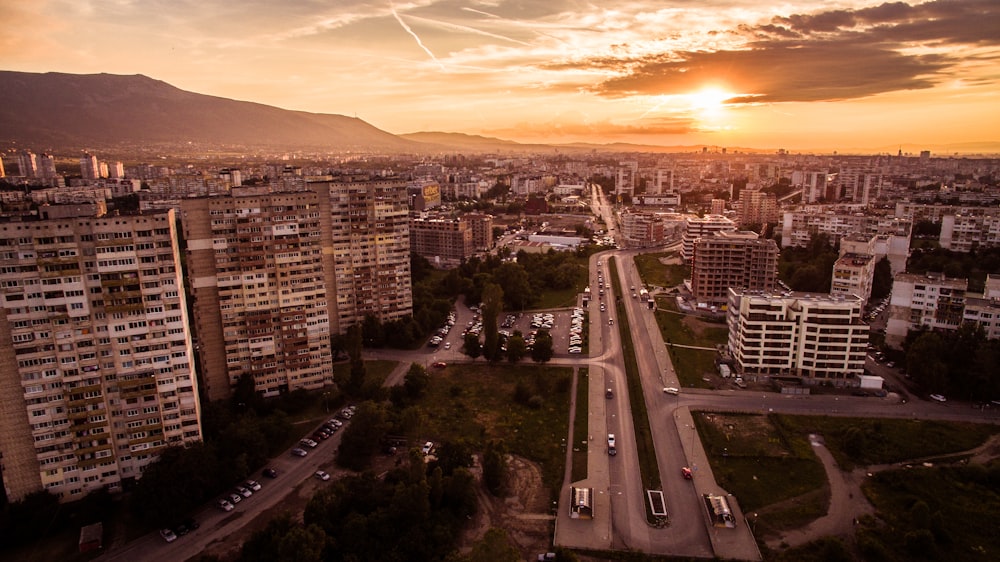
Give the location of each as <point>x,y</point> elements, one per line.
<point>820,338</point>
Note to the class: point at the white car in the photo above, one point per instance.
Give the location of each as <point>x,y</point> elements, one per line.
<point>321,475</point>
<point>168,535</point>
<point>671,390</point>
<point>611,445</point>
<point>253,485</point>
<point>447,345</point>
<point>427,448</point>
<point>938,398</point>
<point>225,505</point>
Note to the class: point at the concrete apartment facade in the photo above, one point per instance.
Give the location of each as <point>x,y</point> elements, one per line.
<point>941,303</point>
<point>443,241</point>
<point>738,259</point>
<point>698,227</point>
<point>96,359</point>
<point>273,275</point>
<point>854,270</point>
<point>962,233</point>
<point>817,337</point>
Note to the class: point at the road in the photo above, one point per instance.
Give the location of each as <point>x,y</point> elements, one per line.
<point>216,525</point>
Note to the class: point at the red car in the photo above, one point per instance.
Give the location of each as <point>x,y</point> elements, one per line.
<point>686,473</point>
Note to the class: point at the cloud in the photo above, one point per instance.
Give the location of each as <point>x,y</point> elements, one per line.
<point>778,72</point>
<point>823,56</point>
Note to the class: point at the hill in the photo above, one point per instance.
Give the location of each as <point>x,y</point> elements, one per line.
<point>54,110</point>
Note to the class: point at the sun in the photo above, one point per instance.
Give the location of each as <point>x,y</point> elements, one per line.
<point>709,101</point>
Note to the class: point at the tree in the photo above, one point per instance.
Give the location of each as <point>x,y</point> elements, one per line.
<point>516,348</point>
<point>882,279</point>
<point>492,306</point>
<point>472,347</point>
<point>541,352</point>
<point>923,359</point>
<point>362,437</point>
<point>516,285</point>
<point>495,467</point>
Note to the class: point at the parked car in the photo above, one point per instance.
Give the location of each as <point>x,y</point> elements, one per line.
<point>439,365</point>
<point>427,448</point>
<point>168,535</point>
<point>270,473</point>
<point>225,505</point>
<point>321,475</point>
<point>244,491</point>
<point>299,452</point>
<point>235,498</point>
<point>938,398</point>
<point>253,485</point>
<point>308,443</point>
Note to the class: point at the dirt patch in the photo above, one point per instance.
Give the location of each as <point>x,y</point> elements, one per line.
<point>524,513</point>
<point>749,435</point>
<point>673,259</point>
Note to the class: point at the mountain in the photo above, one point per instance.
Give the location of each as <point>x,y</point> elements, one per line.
<point>91,110</point>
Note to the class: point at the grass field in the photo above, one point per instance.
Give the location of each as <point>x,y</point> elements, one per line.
<point>476,403</point>
<point>655,273</point>
<point>864,441</point>
<point>691,364</point>
<point>754,461</point>
<point>580,425</point>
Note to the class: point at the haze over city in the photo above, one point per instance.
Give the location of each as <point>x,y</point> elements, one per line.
<point>797,75</point>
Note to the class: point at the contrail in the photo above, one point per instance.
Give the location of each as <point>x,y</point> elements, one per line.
<point>410,31</point>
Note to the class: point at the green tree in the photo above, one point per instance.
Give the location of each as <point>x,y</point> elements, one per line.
<point>494,547</point>
<point>925,364</point>
<point>495,467</point>
<point>516,348</point>
<point>516,285</point>
<point>492,306</point>
<point>882,279</point>
<point>541,351</point>
<point>472,346</point>
<point>362,437</point>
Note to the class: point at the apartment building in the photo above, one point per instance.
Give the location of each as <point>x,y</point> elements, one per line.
<point>646,230</point>
<point>964,232</point>
<point>444,241</point>
<point>738,259</point>
<point>940,303</point>
<point>757,207</point>
<point>273,275</point>
<point>930,300</point>
<point>481,225</point>
<point>698,227</point>
<point>96,363</point>
<point>819,338</point>
<point>854,270</point>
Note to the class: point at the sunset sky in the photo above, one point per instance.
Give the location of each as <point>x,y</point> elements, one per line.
<point>795,74</point>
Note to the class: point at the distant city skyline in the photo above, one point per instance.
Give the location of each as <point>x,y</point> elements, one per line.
<point>797,75</point>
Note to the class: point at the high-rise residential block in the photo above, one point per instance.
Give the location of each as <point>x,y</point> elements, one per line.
<point>273,275</point>
<point>96,364</point>
<point>757,207</point>
<point>819,338</point>
<point>89,167</point>
<point>738,259</point>
<point>27,164</point>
